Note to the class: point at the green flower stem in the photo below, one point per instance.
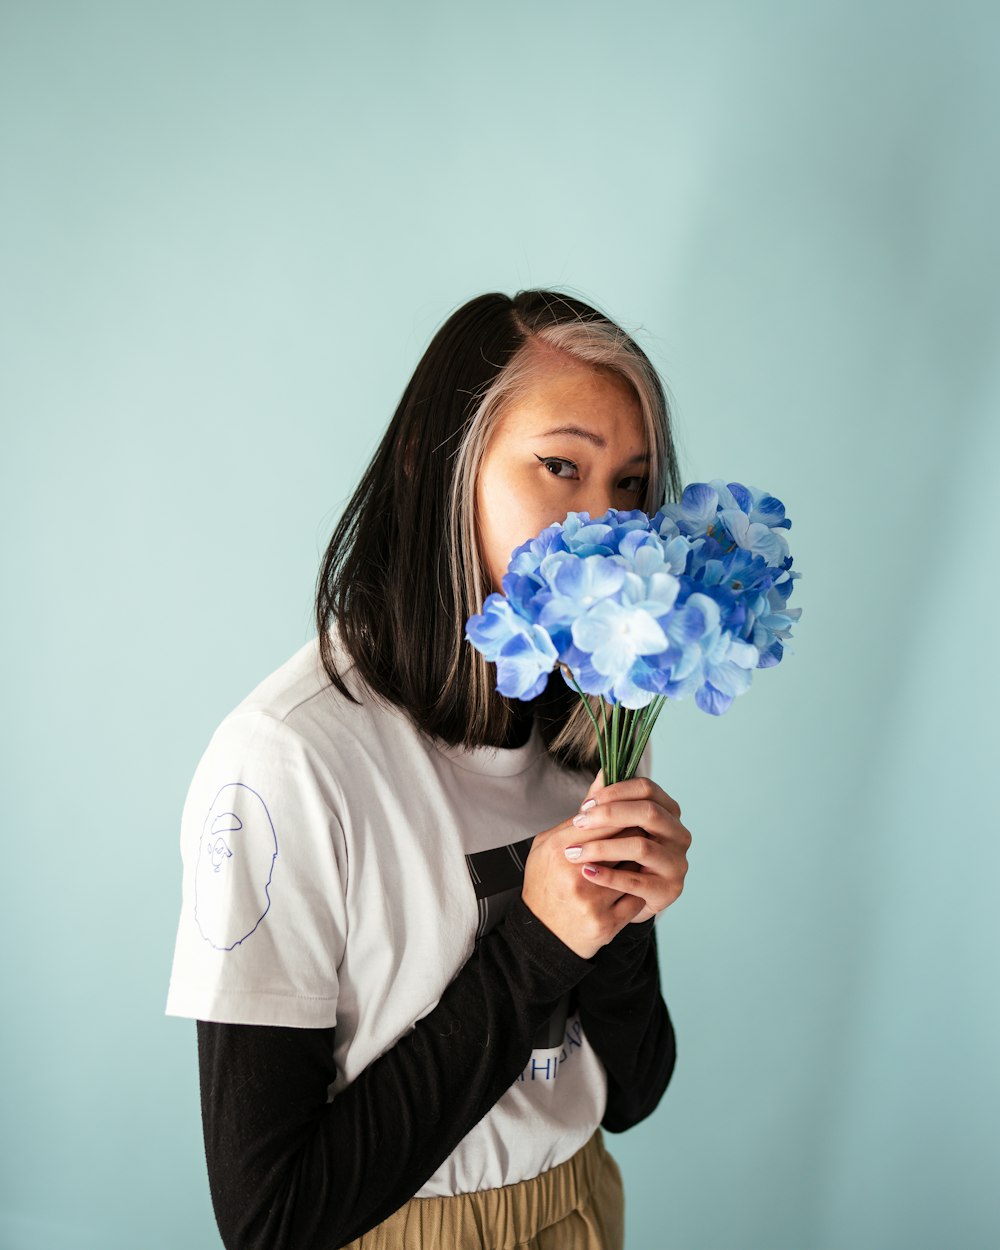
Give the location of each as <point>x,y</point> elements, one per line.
<point>621,743</point>
<point>607,742</point>
<point>593,718</point>
<point>636,738</point>
<point>634,724</point>
<point>652,712</point>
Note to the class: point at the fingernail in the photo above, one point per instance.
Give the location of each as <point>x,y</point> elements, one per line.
<point>573,852</point>
<point>590,871</point>
<point>581,821</point>
<point>585,807</point>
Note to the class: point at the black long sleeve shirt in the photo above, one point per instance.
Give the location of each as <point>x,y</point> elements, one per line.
<point>289,1170</point>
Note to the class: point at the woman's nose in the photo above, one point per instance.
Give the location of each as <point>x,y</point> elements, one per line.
<point>597,502</point>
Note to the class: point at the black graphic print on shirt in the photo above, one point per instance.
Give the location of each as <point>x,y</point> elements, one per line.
<point>497,876</point>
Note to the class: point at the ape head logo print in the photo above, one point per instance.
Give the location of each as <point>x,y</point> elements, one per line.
<point>217,846</point>
<point>236,857</point>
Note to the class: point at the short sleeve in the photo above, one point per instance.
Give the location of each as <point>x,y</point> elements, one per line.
<point>263,916</point>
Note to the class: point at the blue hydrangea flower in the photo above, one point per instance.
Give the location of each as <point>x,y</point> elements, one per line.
<point>524,664</point>
<point>637,609</point>
<point>760,507</point>
<point>498,623</point>
<point>615,634</point>
<point>728,666</point>
<point>695,512</point>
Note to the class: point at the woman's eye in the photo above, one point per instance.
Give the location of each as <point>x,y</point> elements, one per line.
<point>555,463</point>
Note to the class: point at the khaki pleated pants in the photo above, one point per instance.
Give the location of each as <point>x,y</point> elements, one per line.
<point>578,1205</point>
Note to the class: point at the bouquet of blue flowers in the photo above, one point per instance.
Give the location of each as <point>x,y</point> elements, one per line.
<point>638,609</point>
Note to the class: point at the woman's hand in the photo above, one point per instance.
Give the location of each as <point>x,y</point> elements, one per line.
<point>632,843</point>
<point>580,913</point>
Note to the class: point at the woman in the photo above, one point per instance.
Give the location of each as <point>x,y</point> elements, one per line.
<point>421,986</point>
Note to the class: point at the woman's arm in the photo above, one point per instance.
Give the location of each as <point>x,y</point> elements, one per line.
<point>627,1023</point>
<point>290,1171</point>
<point>621,1007</point>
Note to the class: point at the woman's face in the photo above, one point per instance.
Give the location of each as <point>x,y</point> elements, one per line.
<point>573,442</point>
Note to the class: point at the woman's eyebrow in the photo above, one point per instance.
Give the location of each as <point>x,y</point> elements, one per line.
<point>577,431</point>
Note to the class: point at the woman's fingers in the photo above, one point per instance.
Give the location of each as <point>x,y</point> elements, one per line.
<point>633,865</point>
<point>565,901</point>
<point>639,848</point>
<point>628,840</point>
<point>632,843</point>
<point>652,890</point>
<point>637,788</point>
<point>629,909</point>
<point>612,817</point>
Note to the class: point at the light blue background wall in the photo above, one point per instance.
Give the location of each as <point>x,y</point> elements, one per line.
<point>228,232</point>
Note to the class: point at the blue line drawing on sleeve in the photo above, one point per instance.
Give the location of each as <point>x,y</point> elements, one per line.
<point>218,848</point>
<point>236,854</point>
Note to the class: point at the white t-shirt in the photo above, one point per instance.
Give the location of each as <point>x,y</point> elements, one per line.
<point>337,871</point>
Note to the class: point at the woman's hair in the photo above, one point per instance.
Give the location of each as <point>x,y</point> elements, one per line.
<point>404,571</point>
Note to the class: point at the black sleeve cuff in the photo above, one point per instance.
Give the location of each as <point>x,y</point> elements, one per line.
<point>533,940</point>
